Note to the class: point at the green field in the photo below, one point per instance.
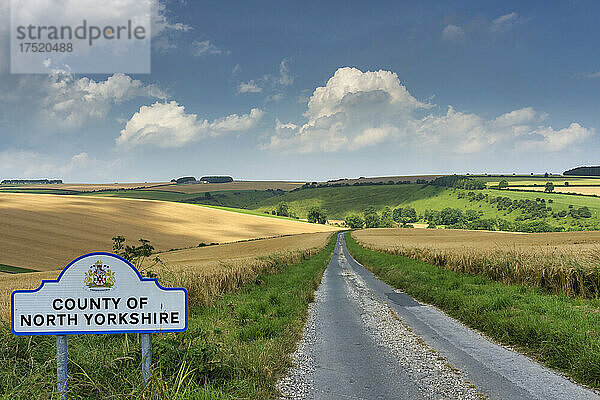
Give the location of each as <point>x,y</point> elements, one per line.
<point>561,332</point>
<point>338,202</point>
<point>341,201</point>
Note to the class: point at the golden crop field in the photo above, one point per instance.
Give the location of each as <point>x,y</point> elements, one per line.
<point>235,185</point>
<point>205,271</point>
<point>45,232</point>
<point>589,190</point>
<point>561,262</point>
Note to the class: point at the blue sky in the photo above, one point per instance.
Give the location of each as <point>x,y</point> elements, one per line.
<point>282,90</point>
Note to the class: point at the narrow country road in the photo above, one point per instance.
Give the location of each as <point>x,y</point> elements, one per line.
<point>366,340</point>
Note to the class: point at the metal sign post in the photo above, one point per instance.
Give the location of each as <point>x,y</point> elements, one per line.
<point>99,293</point>
<point>61,366</point>
<point>146,339</point>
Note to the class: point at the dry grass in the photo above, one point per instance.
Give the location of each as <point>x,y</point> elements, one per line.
<point>561,263</point>
<point>236,185</point>
<point>45,232</point>
<point>564,189</point>
<point>205,271</point>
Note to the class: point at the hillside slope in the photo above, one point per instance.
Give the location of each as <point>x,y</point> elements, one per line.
<point>338,202</point>
<point>45,232</point>
<point>341,201</point>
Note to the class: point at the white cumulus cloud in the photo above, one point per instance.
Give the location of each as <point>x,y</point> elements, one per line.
<point>71,102</point>
<point>168,125</point>
<point>357,109</point>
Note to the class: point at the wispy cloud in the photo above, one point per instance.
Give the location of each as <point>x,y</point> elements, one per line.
<point>456,32</point>
<point>273,84</point>
<point>249,87</point>
<point>205,48</point>
<point>453,33</point>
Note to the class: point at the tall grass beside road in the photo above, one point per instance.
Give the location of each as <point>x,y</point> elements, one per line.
<point>561,332</point>
<point>236,347</point>
<point>562,263</point>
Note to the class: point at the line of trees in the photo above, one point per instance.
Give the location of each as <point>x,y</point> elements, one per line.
<point>386,219</point>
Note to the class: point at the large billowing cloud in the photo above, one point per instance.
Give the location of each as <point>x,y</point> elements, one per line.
<point>357,109</point>
<point>168,125</point>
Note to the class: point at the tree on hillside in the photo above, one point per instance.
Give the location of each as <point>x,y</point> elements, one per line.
<point>409,215</point>
<point>369,210</point>
<point>397,214</point>
<point>282,210</point>
<point>450,216</point>
<point>354,221</point>
<point>405,215</point>
<point>549,187</point>
<point>372,221</point>
<point>471,215</point>
<point>503,184</point>
<point>386,218</point>
<point>317,216</point>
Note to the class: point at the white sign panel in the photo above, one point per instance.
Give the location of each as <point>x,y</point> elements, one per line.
<point>99,293</point>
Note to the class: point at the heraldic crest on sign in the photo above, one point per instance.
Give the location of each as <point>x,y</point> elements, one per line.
<point>99,277</point>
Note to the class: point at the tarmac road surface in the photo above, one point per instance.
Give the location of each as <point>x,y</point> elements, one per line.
<point>366,340</point>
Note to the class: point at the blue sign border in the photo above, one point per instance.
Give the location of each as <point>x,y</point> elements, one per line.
<point>98,253</point>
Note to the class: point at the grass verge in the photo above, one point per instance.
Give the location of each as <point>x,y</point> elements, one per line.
<point>237,347</point>
<point>561,332</point>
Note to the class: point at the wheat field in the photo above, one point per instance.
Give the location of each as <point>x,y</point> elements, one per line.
<point>205,271</point>
<point>560,263</point>
<point>45,232</point>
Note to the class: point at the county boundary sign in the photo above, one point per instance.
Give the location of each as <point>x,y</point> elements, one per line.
<point>99,293</point>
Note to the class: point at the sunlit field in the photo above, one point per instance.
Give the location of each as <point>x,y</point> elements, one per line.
<point>45,232</point>
<point>564,262</point>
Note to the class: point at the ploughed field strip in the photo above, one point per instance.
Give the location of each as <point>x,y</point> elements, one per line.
<point>366,340</point>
